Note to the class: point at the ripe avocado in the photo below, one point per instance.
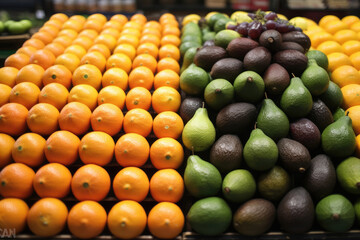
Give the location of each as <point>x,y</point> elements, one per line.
<point>227,68</point>
<point>306,132</point>
<point>276,79</point>
<point>239,47</point>
<point>207,56</point>
<point>320,114</point>
<point>293,61</point>
<point>257,59</point>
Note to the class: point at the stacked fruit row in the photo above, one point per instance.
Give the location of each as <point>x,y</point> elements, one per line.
<point>339,39</point>
<point>272,146</point>
<point>82,97</point>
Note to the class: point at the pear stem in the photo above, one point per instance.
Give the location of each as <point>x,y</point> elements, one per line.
<point>250,79</point>
<point>347,113</point>
<point>192,150</point>
<point>255,125</point>
<point>266,97</point>
<point>203,105</point>
<point>292,74</point>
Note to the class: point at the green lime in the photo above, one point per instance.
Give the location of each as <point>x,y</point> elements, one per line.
<point>191,38</point>
<point>194,80</point>
<point>249,87</point>
<point>27,23</point>
<point>186,45</point>
<point>214,18</point>
<point>239,186</point>
<point>348,175</point>
<point>209,36</point>
<point>223,37</point>
<point>219,93</point>
<point>320,57</point>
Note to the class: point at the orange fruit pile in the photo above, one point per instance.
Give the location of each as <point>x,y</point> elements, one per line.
<point>339,39</point>
<point>95,92</point>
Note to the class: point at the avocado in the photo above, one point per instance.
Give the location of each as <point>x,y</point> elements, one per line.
<point>214,18</point>
<point>193,80</point>
<point>239,47</point>
<point>291,45</point>
<point>276,79</point>
<point>274,183</point>
<point>209,41</point>
<point>209,216</point>
<point>188,58</point>
<point>219,93</point>
<point>227,68</point>
<point>191,38</point>
<point>293,156</point>
<point>220,24</point>
<point>201,178</point>
<point>306,132</point>
<point>338,113</point>
<point>320,178</point>
<point>320,114</point>
<point>236,118</point>
<point>271,39</point>
<point>238,186</point>
<point>295,212</point>
<point>207,56</point>
<point>226,153</point>
<point>332,97</point>
<point>188,107</point>
<point>184,46</point>
<point>348,175</point>
<point>293,61</point>
<point>298,37</point>
<point>255,217</point>
<point>257,59</point>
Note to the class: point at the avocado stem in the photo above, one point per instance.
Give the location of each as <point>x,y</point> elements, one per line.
<point>335,216</point>
<point>302,170</point>
<point>227,189</point>
<point>270,40</point>
<point>358,185</point>
<point>218,90</point>
<point>250,79</point>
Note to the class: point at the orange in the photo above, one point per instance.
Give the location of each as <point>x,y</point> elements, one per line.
<point>72,34</point>
<point>56,48</point>
<point>167,185</point>
<point>76,49</point>
<point>85,94</point>
<point>170,51</point>
<point>13,214</point>
<point>13,119</point>
<point>8,76</point>
<point>25,93</point>
<point>75,117</point>
<point>148,48</point>
<point>107,118</point>
<point>112,24</point>
<point>95,58</point>
<point>27,50</point>
<point>132,149</point>
<point>119,60</point>
<point>171,30</point>
<point>153,24</point>
<point>78,18</point>
<point>166,99</point>
<point>97,148</point>
<point>87,74</point>
<point>17,60</point>
<point>337,59</point>
<point>52,180</point>
<point>93,24</point>
<point>327,18</point>
<point>116,77</point>
<point>69,60</point>
<point>87,219</point>
<point>47,217</point>
<point>106,39</point>
<point>112,94</point>
<point>5,94</point>
<point>33,42</point>
<point>168,124</point>
<point>166,220</point>
<point>145,60</point>
<point>55,94</point>
<point>57,74</point>
<point>334,26</point>
<point>119,18</point>
<point>43,57</point>
<point>127,219</point>
<point>90,182</point>
<point>59,16</point>
<point>170,39</point>
<point>351,46</point>
<point>354,113</point>
<point>169,22</point>
<point>139,18</point>
<point>131,31</point>
<point>91,33</point>
<point>167,77</point>
<point>350,19</point>
<point>345,35</point>
<point>101,48</point>
<point>127,49</point>
<point>357,150</point>
<point>54,22</point>
<point>52,30</point>
<point>16,181</point>
<point>138,97</point>
<point>29,149</point>
<point>141,76</point>
<point>150,38</point>
<point>30,73</point>
<point>62,147</point>
<point>320,37</point>
<point>132,24</point>
<point>166,16</point>
<point>64,40</point>
<point>131,183</point>
<point>355,60</point>
<point>43,119</point>
<point>355,26</point>
<point>128,39</point>
<point>168,63</point>
<point>43,36</point>
<point>6,145</point>
<point>138,121</point>
<point>345,75</point>
<point>153,31</point>
<point>73,24</point>
<point>166,153</point>
<point>99,17</point>
<point>83,41</point>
